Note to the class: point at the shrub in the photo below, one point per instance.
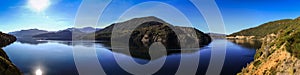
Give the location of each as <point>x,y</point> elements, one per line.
<point>257,63</point>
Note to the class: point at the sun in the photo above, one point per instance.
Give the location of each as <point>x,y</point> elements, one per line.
<point>38,5</point>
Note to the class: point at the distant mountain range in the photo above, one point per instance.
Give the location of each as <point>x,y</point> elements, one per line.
<point>58,35</point>
<point>28,33</point>
<point>66,34</point>
<point>84,30</point>
<point>217,35</point>
<point>150,29</point>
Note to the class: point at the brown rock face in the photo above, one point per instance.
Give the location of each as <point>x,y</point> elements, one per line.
<point>6,66</point>
<point>151,30</point>
<point>271,59</point>
<point>6,39</point>
<point>140,34</point>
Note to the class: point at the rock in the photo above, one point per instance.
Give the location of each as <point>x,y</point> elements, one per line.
<point>273,59</point>
<point>151,32</point>
<point>6,66</point>
<point>6,39</point>
<point>152,29</point>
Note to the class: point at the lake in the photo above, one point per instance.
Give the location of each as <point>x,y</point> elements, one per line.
<point>56,57</point>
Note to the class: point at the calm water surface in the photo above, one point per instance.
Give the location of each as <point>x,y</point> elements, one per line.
<point>56,57</point>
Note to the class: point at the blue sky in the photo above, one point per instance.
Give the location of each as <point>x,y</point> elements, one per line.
<point>60,14</point>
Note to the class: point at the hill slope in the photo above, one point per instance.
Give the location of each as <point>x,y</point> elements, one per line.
<point>152,29</point>
<point>66,34</point>
<point>279,53</point>
<point>59,35</point>
<point>265,29</point>
<point>217,35</point>
<point>27,33</point>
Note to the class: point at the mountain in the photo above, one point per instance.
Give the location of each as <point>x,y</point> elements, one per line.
<point>280,51</point>
<point>265,29</point>
<point>66,34</point>
<point>89,29</point>
<point>59,35</point>
<point>85,29</point>
<point>217,35</point>
<point>27,33</point>
<point>6,66</point>
<point>105,33</point>
<point>152,29</point>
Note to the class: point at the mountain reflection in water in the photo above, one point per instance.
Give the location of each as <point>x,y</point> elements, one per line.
<point>56,57</point>
<point>254,44</point>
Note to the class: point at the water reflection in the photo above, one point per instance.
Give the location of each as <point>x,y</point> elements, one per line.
<point>253,44</point>
<point>141,53</point>
<point>30,41</point>
<point>38,72</point>
<point>57,57</point>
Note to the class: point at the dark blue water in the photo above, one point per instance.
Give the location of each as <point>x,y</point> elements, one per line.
<point>56,57</point>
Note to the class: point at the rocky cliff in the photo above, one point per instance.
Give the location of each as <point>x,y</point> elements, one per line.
<point>271,59</point>
<point>279,54</point>
<point>6,66</point>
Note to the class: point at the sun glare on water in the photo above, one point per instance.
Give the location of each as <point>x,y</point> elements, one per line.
<point>38,72</point>
<point>38,5</point>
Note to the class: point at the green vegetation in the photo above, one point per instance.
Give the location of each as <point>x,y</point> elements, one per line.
<point>271,58</point>
<point>291,37</point>
<point>256,63</point>
<point>258,54</point>
<point>273,71</point>
<point>289,34</point>
<point>288,31</point>
<point>265,29</point>
<point>147,30</point>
